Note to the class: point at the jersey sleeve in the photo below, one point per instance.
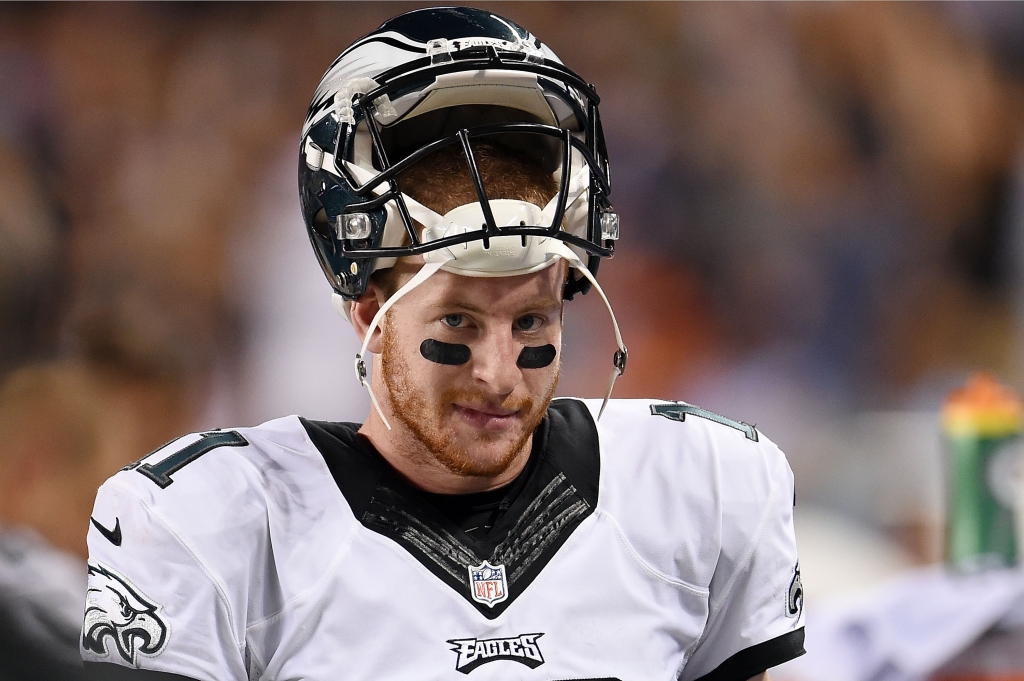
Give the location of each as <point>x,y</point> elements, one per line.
<point>151,604</point>
<point>755,619</point>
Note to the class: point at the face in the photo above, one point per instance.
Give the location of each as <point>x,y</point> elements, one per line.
<point>473,418</point>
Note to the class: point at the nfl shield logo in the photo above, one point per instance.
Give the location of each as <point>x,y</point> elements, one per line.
<point>487,583</point>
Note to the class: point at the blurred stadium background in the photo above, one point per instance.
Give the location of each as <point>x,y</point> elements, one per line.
<point>823,234</point>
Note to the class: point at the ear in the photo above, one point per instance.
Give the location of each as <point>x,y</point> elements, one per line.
<point>362,312</point>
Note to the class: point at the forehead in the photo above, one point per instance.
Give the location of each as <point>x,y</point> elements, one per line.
<point>497,296</point>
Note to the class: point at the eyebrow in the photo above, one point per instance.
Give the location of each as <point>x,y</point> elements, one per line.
<point>539,303</point>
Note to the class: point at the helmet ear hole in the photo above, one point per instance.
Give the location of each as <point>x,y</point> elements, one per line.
<point>320,224</point>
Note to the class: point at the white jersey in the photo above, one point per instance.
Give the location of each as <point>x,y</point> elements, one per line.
<point>657,544</point>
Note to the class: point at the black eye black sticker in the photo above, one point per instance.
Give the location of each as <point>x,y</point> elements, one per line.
<point>537,358</point>
<point>454,354</point>
<point>444,353</point>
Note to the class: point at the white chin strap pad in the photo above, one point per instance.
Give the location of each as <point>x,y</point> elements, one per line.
<point>502,256</point>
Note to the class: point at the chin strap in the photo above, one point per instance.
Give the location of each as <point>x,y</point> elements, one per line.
<point>425,273</point>
<point>621,355</point>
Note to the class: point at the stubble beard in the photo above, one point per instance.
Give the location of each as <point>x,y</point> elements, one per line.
<point>425,419</point>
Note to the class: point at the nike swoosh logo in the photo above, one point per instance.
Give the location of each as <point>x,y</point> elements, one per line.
<point>113,535</point>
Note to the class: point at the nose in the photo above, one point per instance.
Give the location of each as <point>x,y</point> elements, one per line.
<point>494,361</point>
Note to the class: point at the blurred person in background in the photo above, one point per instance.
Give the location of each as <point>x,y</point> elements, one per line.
<point>65,427</point>
<point>47,442</point>
<point>51,461</point>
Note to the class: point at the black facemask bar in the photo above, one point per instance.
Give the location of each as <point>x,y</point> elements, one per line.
<point>591,243</point>
<point>591,148</point>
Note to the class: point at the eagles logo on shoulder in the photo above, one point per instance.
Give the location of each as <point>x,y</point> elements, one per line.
<point>795,594</point>
<point>116,608</point>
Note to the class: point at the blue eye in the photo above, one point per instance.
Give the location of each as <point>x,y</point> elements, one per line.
<point>527,323</point>
<point>453,320</point>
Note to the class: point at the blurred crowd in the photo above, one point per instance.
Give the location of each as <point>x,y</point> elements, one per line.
<point>823,231</point>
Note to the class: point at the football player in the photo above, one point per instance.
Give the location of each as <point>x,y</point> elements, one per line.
<point>456,190</point>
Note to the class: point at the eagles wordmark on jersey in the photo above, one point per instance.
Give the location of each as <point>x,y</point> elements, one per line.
<point>654,544</point>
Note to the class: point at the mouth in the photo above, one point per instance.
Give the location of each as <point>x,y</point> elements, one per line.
<point>487,417</point>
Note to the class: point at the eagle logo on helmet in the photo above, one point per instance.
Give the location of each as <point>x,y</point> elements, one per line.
<point>118,610</point>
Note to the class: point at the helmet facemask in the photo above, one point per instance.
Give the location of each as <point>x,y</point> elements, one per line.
<point>362,134</point>
<point>382,127</point>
